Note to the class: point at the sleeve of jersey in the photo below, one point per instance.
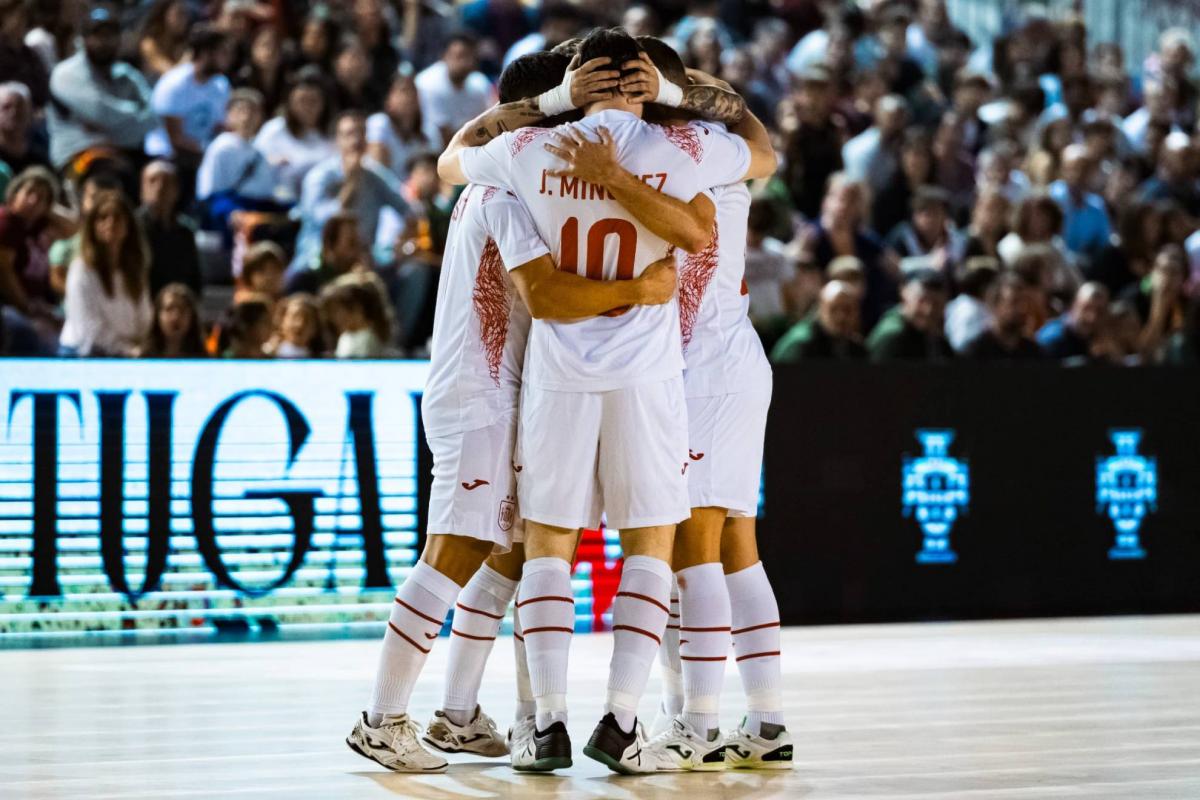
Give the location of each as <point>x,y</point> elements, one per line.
<point>513,231</point>
<point>490,165</point>
<point>726,156</point>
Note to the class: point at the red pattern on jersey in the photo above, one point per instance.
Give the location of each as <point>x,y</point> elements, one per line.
<point>490,300</point>
<point>695,275</point>
<point>488,194</point>
<point>685,138</point>
<point>523,137</point>
<point>461,205</point>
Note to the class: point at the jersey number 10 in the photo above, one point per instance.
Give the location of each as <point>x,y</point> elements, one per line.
<point>626,235</point>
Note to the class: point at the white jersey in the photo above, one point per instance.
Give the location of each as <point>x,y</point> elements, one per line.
<point>720,345</point>
<point>480,327</point>
<point>594,236</point>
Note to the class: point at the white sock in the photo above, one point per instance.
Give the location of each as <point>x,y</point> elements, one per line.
<point>477,618</point>
<point>756,644</point>
<point>417,616</point>
<point>525,701</point>
<point>703,642</point>
<point>547,610</point>
<point>668,660</point>
<point>639,619</point>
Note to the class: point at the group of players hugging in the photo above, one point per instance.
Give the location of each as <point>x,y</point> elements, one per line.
<point>592,355</point>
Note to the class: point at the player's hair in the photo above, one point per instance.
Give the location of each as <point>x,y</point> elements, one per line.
<point>568,48</point>
<point>612,43</point>
<point>665,58</point>
<point>530,75</point>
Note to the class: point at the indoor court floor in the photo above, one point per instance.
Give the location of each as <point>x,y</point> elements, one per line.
<point>1091,708</point>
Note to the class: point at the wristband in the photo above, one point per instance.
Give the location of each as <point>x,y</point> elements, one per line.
<point>668,93</point>
<point>558,100</point>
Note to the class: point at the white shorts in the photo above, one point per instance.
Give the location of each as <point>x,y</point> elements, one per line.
<point>725,441</point>
<point>623,452</point>
<point>474,490</point>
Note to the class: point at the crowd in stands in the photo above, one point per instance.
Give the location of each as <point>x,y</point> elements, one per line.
<point>258,178</point>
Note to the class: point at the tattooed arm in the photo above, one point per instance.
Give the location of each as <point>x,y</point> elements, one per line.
<point>705,95</point>
<point>714,103</point>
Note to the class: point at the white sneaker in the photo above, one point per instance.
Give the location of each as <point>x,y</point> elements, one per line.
<point>681,749</point>
<point>744,750</point>
<point>520,743</point>
<point>477,736</point>
<point>394,744</point>
<point>662,722</point>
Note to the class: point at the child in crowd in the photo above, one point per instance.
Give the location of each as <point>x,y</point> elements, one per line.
<point>176,328</point>
<point>262,271</point>
<point>357,309</point>
<point>246,329</point>
<point>298,329</point>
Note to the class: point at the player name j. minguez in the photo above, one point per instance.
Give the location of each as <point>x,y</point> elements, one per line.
<point>579,189</point>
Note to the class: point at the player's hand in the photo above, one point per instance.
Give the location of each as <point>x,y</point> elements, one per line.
<point>641,86</point>
<point>592,83</point>
<point>595,162</point>
<point>657,283</point>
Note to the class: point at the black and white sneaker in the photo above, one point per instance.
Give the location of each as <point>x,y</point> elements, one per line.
<point>394,744</point>
<point>544,751</point>
<point>771,749</point>
<point>681,748</point>
<point>619,751</point>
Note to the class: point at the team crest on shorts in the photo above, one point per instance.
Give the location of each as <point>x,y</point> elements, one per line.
<point>508,514</point>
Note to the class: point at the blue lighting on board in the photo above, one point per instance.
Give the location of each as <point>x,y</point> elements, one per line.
<point>936,490</point>
<point>1126,491</point>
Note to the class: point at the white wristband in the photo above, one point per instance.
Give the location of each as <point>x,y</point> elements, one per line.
<point>668,93</point>
<point>558,100</point>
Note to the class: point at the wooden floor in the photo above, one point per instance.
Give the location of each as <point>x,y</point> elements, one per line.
<point>1103,708</point>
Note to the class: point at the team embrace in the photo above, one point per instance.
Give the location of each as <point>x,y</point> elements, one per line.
<point>592,355</point>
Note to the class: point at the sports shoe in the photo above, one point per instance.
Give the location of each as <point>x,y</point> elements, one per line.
<point>520,742</point>
<point>477,736</point>
<point>394,744</point>
<point>543,751</point>
<point>617,750</point>
<point>771,750</point>
<point>681,749</point>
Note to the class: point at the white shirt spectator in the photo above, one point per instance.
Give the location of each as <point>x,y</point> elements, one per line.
<point>233,164</point>
<point>201,106</point>
<point>768,270</point>
<point>381,131</point>
<point>97,324</point>
<point>531,43</point>
<point>292,156</point>
<point>443,105</point>
<point>966,318</point>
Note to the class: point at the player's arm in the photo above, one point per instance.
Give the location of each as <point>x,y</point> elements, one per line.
<point>705,96</point>
<point>550,293</point>
<point>587,84</point>
<point>686,225</point>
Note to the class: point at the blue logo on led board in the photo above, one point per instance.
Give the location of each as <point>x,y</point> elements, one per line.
<point>1126,491</point>
<point>936,492</point>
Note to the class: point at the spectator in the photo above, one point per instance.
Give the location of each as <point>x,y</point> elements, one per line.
<point>1073,335</point>
<point>813,151</point>
<point>1131,251</point>
<point>342,252</point>
<point>352,86</point>
<point>373,30</point>
<point>18,61</point>
<point>54,29</point>
<point>640,20</point>
<point>101,110</point>
<point>262,271</point>
<point>996,171</point>
<point>29,221</point>
<point>989,224</point>
<point>968,315</point>
<point>295,141</point>
<point>913,330</point>
<point>318,37</point>
<point>1176,176</point>
<point>107,303</point>
<point>417,252</point>
<point>768,268</point>
<point>840,232</point>
<point>874,155</point>
<point>501,21</point>
<point>190,101</point>
<point>266,69</point>
<point>1184,347</point>
<point>1159,301</point>
<point>1159,100</point>
<point>893,205</point>
<point>1004,339</point>
<point>234,175</point>
<point>347,182</point>
<point>246,329</point>
<point>398,132</point>
<point>971,91</point>
<point>170,240</point>
<point>163,40</point>
<point>832,333</point>
<point>453,91</point>
<point>1086,228</point>
<point>18,149</point>
<point>298,329</point>
<point>357,310</point>
<point>1039,222</point>
<point>901,71</point>
<point>175,332</point>
<point>64,251</point>
<point>559,21</point>
<point>928,240</point>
